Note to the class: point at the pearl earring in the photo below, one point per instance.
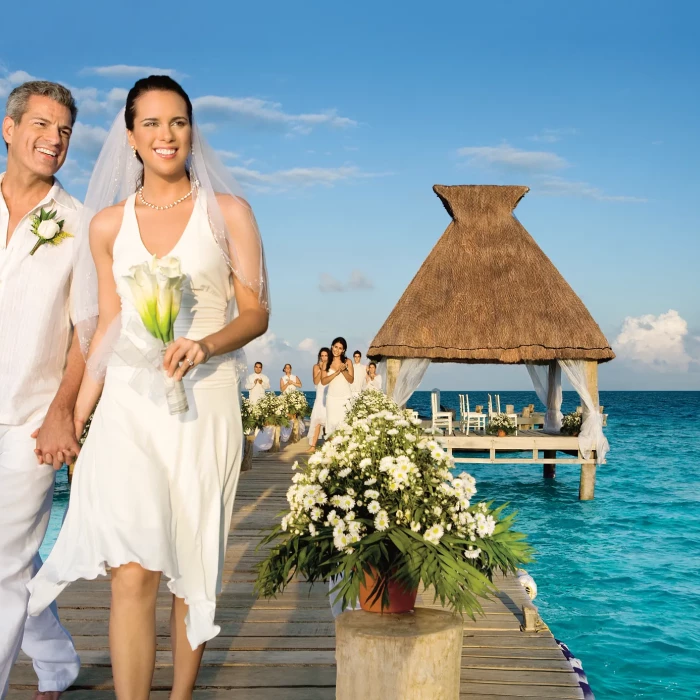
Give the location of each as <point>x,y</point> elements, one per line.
<point>133,150</point>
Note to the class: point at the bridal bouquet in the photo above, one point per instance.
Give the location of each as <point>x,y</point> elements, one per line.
<point>156,290</point>
<point>379,503</point>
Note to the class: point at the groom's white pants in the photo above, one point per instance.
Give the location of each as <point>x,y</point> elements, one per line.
<point>26,493</point>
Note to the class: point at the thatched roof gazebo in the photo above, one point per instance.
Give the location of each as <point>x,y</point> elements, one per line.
<point>487,293</point>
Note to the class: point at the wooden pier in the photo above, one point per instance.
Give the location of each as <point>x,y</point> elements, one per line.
<point>284,649</point>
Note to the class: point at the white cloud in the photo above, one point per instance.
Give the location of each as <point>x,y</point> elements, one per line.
<point>257,111</point>
<point>308,345</point>
<point>507,157</point>
<point>8,81</point>
<point>92,100</point>
<point>74,173</point>
<point>87,138</point>
<point>328,283</point>
<point>282,180</point>
<point>659,342</point>
<point>358,280</point>
<point>553,135</point>
<point>228,155</point>
<point>560,187</point>
<point>124,71</point>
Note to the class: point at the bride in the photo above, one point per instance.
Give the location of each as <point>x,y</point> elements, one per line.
<point>153,492</point>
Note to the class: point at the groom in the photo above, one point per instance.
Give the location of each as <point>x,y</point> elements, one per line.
<point>41,368</point>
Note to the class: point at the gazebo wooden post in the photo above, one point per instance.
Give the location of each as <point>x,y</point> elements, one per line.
<point>549,471</point>
<point>586,490</point>
<point>393,367</point>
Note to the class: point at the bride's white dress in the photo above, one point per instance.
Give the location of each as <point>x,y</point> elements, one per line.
<point>150,487</point>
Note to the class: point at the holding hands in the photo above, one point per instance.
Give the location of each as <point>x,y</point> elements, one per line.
<point>184,354</point>
<point>57,439</point>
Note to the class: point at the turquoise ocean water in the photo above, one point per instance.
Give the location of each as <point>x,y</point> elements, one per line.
<point>619,576</point>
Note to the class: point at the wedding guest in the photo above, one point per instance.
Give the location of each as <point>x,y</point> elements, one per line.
<point>338,377</point>
<point>41,366</point>
<point>288,381</point>
<point>257,383</point>
<point>360,370</point>
<point>153,491</point>
<point>373,379</point>
<point>318,413</point>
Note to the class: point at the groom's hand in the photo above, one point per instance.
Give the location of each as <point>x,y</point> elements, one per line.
<point>56,442</point>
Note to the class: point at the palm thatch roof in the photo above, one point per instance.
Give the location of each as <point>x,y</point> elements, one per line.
<point>487,293</point>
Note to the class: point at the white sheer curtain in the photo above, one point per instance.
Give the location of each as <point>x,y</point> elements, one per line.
<point>381,372</point>
<point>410,375</point>
<point>591,436</point>
<point>547,382</point>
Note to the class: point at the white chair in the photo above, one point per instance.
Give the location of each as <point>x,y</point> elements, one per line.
<point>441,419</point>
<point>470,419</point>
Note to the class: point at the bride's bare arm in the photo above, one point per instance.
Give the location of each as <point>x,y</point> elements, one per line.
<point>252,318</point>
<point>103,231</point>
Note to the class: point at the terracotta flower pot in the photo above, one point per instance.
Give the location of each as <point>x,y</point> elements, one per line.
<point>502,433</point>
<point>400,599</point>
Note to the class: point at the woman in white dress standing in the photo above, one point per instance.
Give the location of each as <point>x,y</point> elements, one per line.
<point>318,413</point>
<point>338,378</point>
<point>288,381</point>
<point>153,492</point>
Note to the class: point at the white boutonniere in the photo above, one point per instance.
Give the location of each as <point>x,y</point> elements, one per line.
<point>47,229</point>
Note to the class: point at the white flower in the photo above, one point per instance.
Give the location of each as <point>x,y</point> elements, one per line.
<point>371,493</point>
<point>381,522</point>
<point>48,229</point>
<point>374,507</point>
<point>415,526</point>
<point>312,530</point>
<point>370,482</point>
<point>350,516</point>
<point>316,514</point>
<point>472,552</point>
<point>434,534</point>
<point>323,475</point>
<point>344,472</point>
<point>366,462</point>
<point>393,431</point>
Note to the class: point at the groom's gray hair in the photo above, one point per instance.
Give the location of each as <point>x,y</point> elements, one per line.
<point>19,98</point>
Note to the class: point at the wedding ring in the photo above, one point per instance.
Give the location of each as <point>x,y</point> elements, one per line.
<point>191,362</point>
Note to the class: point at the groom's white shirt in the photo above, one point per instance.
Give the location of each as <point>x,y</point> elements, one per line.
<point>35,334</point>
<point>35,309</point>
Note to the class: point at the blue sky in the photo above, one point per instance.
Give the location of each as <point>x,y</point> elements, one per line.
<point>338,119</point>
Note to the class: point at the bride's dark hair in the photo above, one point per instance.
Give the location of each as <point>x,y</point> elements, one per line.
<point>343,359</point>
<point>164,83</point>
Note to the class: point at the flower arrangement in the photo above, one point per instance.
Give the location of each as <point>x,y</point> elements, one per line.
<point>296,404</point>
<point>367,403</point>
<point>48,229</point>
<point>379,500</point>
<point>251,417</point>
<point>272,410</point>
<point>156,291</point>
<point>500,422</point>
<point>571,424</point>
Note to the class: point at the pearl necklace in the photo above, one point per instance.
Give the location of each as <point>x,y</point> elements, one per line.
<point>167,206</point>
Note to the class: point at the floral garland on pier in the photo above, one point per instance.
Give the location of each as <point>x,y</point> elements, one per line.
<point>381,496</point>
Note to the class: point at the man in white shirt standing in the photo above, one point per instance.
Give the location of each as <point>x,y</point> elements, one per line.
<point>360,376</point>
<point>41,367</point>
<point>257,383</point>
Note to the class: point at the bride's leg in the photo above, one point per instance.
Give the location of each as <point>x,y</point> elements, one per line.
<point>132,630</point>
<point>185,661</point>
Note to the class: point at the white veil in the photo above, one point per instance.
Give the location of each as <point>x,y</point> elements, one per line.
<point>117,175</point>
